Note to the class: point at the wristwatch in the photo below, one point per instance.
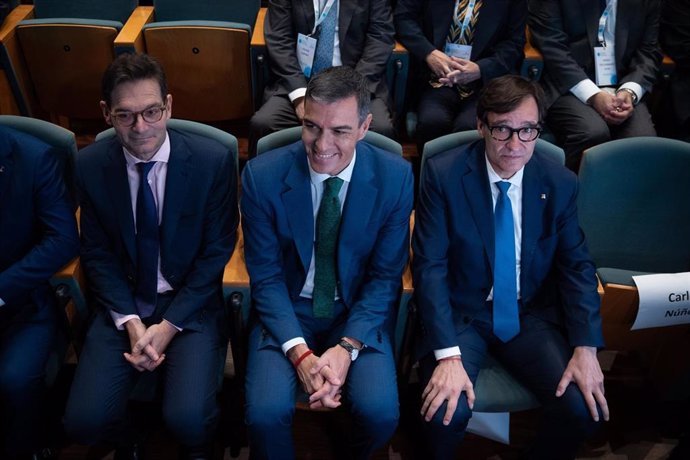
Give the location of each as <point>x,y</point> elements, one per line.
<point>354,352</point>
<point>633,96</point>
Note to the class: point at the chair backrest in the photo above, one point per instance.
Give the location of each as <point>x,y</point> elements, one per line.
<point>62,139</point>
<point>226,139</point>
<point>242,11</point>
<point>634,204</point>
<point>289,135</point>
<point>452,140</point>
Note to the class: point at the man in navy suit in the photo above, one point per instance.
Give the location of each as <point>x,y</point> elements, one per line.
<point>324,294</point>
<point>458,46</point>
<point>362,39</point>
<point>601,58</point>
<point>152,187</point>
<point>500,265</point>
<point>38,236</point>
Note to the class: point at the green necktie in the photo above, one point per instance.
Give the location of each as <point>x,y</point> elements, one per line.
<point>327,224</point>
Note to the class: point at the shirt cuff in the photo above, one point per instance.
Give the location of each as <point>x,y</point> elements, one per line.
<point>584,90</point>
<point>120,320</point>
<point>179,329</point>
<point>635,88</point>
<point>447,352</point>
<point>291,343</point>
<point>296,94</point>
<point>2,302</point>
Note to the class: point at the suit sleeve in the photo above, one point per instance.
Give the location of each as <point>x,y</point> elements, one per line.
<point>380,288</point>
<point>505,55</point>
<point>646,58</point>
<point>577,281</point>
<point>408,17</point>
<point>378,44</point>
<point>219,234</point>
<point>59,242</point>
<point>430,243</point>
<point>548,35</point>
<point>280,34</point>
<point>262,254</point>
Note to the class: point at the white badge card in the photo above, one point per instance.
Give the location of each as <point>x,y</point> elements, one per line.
<point>458,51</point>
<point>605,66</point>
<point>664,300</point>
<point>306,47</point>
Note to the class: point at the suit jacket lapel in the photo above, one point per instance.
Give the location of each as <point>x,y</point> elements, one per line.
<point>177,186</point>
<point>621,32</point>
<point>359,205</point>
<point>115,176</point>
<point>535,195</point>
<point>478,196</point>
<point>345,13</point>
<point>308,12</point>
<point>297,199</point>
<point>590,10</point>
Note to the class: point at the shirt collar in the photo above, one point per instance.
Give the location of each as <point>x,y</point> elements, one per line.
<point>516,180</point>
<point>345,174</point>
<point>162,155</point>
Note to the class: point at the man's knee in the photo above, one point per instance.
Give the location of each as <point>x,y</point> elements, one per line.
<point>379,417</point>
<point>265,414</point>
<point>192,424</point>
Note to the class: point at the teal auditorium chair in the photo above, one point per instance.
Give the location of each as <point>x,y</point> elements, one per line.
<point>146,388</point>
<point>204,47</point>
<point>495,390</point>
<point>634,207</point>
<point>57,56</point>
<point>65,282</point>
<point>290,135</point>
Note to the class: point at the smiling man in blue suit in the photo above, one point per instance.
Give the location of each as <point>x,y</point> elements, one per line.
<point>501,265</point>
<point>38,235</point>
<point>326,223</point>
<point>158,221</point>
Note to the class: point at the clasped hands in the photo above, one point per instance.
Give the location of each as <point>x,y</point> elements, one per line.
<point>148,344</point>
<point>613,108</point>
<point>452,70</point>
<point>322,377</point>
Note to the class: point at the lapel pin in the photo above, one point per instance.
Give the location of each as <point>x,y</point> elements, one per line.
<point>543,196</point>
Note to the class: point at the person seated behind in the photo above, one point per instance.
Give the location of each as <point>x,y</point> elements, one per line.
<point>489,214</point>
<point>600,59</point>
<point>39,236</point>
<point>326,226</point>
<point>457,46</point>
<point>354,34</point>
<point>158,221</point>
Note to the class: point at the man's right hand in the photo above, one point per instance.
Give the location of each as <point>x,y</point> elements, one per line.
<point>310,382</point>
<point>447,383</point>
<point>440,63</point>
<point>614,110</point>
<point>136,329</point>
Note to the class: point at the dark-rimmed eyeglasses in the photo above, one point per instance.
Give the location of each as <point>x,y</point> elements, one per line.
<point>503,133</point>
<point>129,119</point>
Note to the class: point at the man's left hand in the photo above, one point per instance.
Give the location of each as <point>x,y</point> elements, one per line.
<point>155,340</point>
<point>334,365</point>
<point>466,72</point>
<point>584,370</point>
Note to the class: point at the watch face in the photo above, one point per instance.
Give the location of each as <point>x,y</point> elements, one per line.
<point>354,354</point>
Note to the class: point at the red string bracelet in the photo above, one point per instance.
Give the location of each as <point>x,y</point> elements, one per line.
<point>301,358</point>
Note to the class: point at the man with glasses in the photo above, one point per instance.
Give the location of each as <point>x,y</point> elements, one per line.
<point>158,221</point>
<point>501,266</point>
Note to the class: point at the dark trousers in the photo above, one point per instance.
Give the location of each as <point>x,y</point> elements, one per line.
<point>441,111</point>
<point>272,386</point>
<point>97,405</point>
<point>537,357</point>
<point>578,126</point>
<point>27,337</point>
<point>278,113</point>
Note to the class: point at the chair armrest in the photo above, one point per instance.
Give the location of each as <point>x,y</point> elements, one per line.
<point>131,39</point>
<point>258,31</point>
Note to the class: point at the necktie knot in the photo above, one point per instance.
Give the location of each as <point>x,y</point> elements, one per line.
<point>145,168</point>
<point>503,186</point>
<point>332,186</point>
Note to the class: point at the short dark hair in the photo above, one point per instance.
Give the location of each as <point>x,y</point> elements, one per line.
<point>504,94</point>
<point>131,67</point>
<point>338,83</point>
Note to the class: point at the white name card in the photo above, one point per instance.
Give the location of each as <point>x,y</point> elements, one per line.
<point>664,300</point>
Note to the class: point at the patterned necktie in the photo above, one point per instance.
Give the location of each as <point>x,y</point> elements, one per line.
<point>506,319</point>
<point>455,33</point>
<point>147,244</point>
<point>323,56</point>
<point>327,225</point>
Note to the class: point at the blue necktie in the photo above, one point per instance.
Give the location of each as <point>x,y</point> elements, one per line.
<point>327,226</point>
<point>147,244</point>
<point>323,56</point>
<point>505,317</point>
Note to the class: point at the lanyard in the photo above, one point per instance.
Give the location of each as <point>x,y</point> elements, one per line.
<point>468,15</point>
<point>602,22</point>
<point>322,15</point>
